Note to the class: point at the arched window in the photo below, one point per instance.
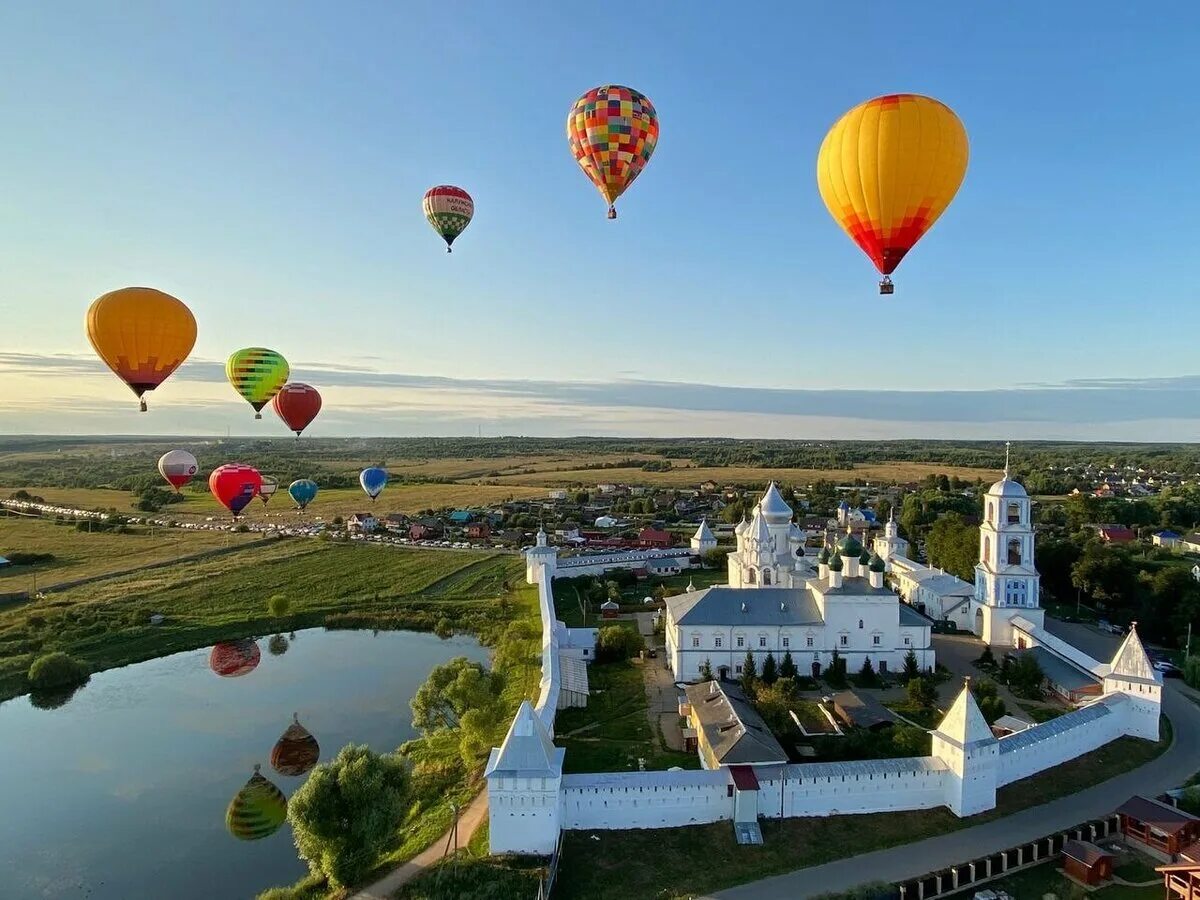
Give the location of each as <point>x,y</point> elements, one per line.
<point>751,576</point>
<point>766,576</point>
<point>1014,513</point>
<point>991,512</point>
<point>987,547</point>
<point>860,624</point>
<point>1014,552</point>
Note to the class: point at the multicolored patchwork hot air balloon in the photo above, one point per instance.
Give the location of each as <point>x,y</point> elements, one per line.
<point>257,811</point>
<point>142,335</point>
<point>267,489</point>
<point>232,659</point>
<point>449,210</point>
<point>235,485</point>
<point>612,131</point>
<point>178,467</point>
<point>887,169</point>
<point>373,481</point>
<point>257,374</point>
<point>296,751</point>
<point>303,491</point>
<point>297,404</point>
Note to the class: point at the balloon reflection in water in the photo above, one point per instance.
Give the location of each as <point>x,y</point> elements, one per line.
<point>296,752</point>
<point>231,659</point>
<point>257,810</point>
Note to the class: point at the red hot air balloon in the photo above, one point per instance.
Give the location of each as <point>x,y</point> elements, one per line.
<point>297,404</point>
<point>229,659</point>
<point>235,485</point>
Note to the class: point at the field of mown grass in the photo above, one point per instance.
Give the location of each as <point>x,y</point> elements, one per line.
<point>888,472</point>
<point>106,623</point>
<point>81,555</point>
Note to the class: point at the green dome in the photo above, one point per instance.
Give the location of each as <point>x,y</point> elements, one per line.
<point>835,564</point>
<point>865,557</point>
<point>849,546</point>
<point>823,556</point>
<point>876,564</point>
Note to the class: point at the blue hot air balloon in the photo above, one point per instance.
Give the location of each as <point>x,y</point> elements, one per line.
<point>373,481</point>
<point>303,491</point>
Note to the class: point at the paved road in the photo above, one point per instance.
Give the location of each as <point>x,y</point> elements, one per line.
<point>471,818</point>
<point>1170,770</point>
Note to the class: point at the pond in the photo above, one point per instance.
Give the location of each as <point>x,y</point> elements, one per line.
<point>122,791</point>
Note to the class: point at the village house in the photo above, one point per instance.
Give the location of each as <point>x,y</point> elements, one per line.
<point>425,528</point>
<point>1167,539</point>
<point>362,523</point>
<point>653,537</point>
<point>479,530</point>
<point>1116,534</point>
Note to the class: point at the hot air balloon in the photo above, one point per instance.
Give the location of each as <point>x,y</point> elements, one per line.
<point>235,485</point>
<point>267,489</point>
<point>887,169</point>
<point>257,810</point>
<point>296,751</point>
<point>612,131</point>
<point>142,335</point>
<point>231,659</point>
<point>297,404</point>
<point>373,481</point>
<point>178,467</point>
<point>303,491</point>
<point>449,210</point>
<point>257,374</point>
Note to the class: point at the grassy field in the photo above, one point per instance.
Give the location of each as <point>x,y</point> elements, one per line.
<point>684,862</point>
<point>613,731</point>
<point>80,554</point>
<point>692,476</point>
<point>105,623</point>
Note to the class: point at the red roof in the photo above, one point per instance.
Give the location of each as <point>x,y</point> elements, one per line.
<point>1117,534</point>
<point>744,778</point>
<point>653,535</point>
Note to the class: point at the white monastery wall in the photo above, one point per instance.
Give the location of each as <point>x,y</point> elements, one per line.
<point>573,566</point>
<point>646,799</point>
<point>551,684</point>
<point>813,789</point>
<point>1060,740</point>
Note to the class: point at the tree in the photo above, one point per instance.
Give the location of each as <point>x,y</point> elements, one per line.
<point>953,545</point>
<point>278,605</point>
<point>770,670</point>
<point>580,498</point>
<point>618,642</point>
<point>787,666</point>
<point>866,675</point>
<point>450,690</point>
<point>715,558</point>
<point>659,593</point>
<point>922,693</point>
<point>706,672</point>
<point>347,811</point>
<point>749,673</point>
<point>987,659</point>
<point>911,668</point>
<point>987,697</point>
<point>1026,677</point>
<point>57,670</point>
<point>835,675</point>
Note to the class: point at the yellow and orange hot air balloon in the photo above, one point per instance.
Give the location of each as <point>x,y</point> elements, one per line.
<point>887,169</point>
<point>142,335</point>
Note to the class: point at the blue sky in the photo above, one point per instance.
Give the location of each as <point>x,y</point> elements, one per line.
<point>266,164</point>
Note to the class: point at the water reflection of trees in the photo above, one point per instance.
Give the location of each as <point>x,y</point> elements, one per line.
<point>277,645</point>
<point>53,699</point>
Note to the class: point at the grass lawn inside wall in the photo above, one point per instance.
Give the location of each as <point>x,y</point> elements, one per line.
<point>699,859</point>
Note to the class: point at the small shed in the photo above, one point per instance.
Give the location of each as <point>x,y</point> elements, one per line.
<point>609,609</point>
<point>1087,863</point>
<point>1158,825</point>
<point>862,711</point>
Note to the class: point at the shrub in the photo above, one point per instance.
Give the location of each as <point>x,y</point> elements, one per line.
<point>29,559</point>
<point>922,693</point>
<point>1191,671</point>
<point>279,605</point>
<point>986,659</point>
<point>55,671</point>
<point>345,814</point>
<point>618,642</point>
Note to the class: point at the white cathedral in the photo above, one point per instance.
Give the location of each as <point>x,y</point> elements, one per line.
<point>777,602</point>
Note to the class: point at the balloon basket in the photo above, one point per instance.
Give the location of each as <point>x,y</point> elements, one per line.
<point>612,212</point>
<point>886,286</point>
<point>448,250</point>
<point>141,406</point>
<point>258,415</point>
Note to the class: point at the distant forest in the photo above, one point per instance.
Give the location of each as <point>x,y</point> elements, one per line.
<point>121,462</point>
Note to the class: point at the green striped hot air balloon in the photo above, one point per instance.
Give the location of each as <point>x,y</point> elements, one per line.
<point>257,810</point>
<point>257,374</point>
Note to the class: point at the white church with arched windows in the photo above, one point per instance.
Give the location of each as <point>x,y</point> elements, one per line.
<point>780,601</point>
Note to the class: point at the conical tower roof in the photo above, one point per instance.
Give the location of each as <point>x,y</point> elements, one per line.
<point>703,533</point>
<point>527,749</point>
<point>1132,662</point>
<point>964,725</point>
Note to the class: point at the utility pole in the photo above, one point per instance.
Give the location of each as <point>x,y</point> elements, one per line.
<point>1188,652</point>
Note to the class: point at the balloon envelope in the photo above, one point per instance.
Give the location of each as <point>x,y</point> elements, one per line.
<point>235,485</point>
<point>178,467</point>
<point>267,489</point>
<point>257,810</point>
<point>303,491</point>
<point>612,131</point>
<point>231,659</point>
<point>296,751</point>
<point>297,404</point>
<point>449,210</point>
<point>373,481</point>
<point>888,169</point>
<point>141,334</point>
<point>257,374</point>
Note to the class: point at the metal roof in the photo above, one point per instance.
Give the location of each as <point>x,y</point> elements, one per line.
<point>864,768</point>
<point>856,586</point>
<point>733,729</point>
<point>652,779</point>
<point>1160,815</point>
<point>910,617</point>
<point>723,605</point>
<point>1059,671</point>
<point>1023,739</point>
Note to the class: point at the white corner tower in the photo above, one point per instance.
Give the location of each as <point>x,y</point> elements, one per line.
<point>1007,583</point>
<point>538,556</point>
<point>965,743</point>
<point>524,776</point>
<point>1132,674</point>
<point>890,545</point>
<point>703,540</point>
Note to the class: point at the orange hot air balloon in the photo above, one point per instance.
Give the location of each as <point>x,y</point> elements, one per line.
<point>888,169</point>
<point>142,335</point>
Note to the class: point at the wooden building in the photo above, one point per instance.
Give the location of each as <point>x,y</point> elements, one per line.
<point>1087,863</point>
<point>1158,825</point>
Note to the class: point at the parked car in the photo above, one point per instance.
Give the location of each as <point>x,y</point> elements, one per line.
<point>1167,668</point>
<point>1105,625</point>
